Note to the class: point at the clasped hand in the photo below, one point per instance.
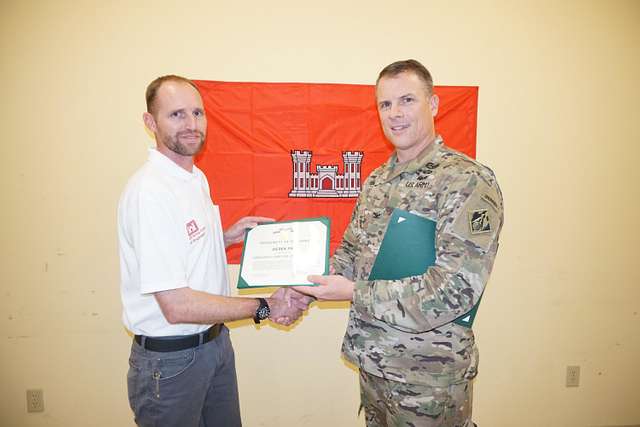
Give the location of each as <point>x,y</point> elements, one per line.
<point>287,305</point>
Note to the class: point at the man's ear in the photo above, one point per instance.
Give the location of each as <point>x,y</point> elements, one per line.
<point>434,102</point>
<point>149,122</point>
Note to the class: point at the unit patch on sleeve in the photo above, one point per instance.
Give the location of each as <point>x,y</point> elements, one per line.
<point>479,221</point>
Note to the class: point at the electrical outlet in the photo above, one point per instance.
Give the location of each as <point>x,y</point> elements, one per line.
<point>35,400</point>
<point>573,376</point>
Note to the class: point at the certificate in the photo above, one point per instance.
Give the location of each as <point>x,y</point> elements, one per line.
<point>284,253</point>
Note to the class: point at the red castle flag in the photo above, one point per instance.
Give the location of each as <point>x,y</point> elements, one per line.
<point>301,150</point>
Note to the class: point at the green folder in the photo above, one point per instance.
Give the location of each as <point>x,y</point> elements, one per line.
<point>242,283</point>
<point>408,249</point>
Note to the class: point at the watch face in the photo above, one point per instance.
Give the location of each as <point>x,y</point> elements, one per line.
<point>263,313</point>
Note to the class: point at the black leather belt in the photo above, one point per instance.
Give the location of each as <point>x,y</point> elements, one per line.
<point>165,344</point>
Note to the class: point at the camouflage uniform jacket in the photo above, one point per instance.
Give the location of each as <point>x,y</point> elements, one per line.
<point>402,330</point>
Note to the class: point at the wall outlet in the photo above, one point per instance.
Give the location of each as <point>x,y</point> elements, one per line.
<point>35,400</point>
<point>573,376</point>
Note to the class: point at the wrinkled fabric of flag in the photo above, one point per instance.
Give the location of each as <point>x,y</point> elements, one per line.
<point>302,150</point>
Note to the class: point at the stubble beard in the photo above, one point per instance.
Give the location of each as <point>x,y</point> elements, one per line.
<point>173,143</point>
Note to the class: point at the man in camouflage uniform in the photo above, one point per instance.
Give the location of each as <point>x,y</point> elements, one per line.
<point>416,364</point>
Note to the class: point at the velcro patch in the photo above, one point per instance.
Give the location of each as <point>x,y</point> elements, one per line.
<point>479,221</point>
<point>479,217</point>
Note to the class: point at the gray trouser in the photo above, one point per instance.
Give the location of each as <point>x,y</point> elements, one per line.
<point>394,404</point>
<point>196,387</point>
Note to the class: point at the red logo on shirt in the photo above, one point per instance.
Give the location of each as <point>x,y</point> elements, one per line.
<point>192,228</point>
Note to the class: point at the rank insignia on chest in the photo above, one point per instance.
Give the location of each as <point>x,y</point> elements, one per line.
<point>479,221</point>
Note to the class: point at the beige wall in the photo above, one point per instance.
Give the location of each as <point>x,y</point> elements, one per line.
<point>558,122</point>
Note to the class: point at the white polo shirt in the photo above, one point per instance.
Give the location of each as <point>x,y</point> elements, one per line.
<point>170,236</point>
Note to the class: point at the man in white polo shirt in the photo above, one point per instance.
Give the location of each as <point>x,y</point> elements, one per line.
<point>174,279</point>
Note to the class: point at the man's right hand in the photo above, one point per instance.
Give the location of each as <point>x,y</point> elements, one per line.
<point>287,305</point>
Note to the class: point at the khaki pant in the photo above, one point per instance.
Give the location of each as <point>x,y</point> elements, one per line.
<point>394,404</point>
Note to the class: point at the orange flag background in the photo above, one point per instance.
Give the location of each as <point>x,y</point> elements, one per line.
<point>253,129</point>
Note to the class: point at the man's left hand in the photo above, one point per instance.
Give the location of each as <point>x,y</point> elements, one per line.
<point>235,233</point>
<point>330,288</point>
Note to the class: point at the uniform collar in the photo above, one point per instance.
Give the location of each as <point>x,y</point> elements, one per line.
<point>392,169</point>
<point>169,166</point>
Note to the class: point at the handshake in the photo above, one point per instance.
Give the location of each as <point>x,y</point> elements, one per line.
<point>287,303</point>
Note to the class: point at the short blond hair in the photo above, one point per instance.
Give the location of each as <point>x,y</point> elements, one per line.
<point>152,89</point>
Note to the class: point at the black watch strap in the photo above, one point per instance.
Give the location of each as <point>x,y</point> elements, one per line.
<point>262,312</point>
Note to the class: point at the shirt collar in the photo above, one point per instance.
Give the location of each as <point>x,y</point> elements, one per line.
<point>169,166</point>
<point>392,169</point>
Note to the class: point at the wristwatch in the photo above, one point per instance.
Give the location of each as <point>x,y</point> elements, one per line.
<point>263,311</point>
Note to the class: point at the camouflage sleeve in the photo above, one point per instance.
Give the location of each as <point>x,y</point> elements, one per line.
<point>468,226</point>
<point>343,259</point>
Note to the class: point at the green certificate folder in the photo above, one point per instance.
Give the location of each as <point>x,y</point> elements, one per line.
<point>284,253</point>
<point>408,249</point>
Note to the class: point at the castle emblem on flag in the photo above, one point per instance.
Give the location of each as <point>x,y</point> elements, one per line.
<point>326,182</point>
